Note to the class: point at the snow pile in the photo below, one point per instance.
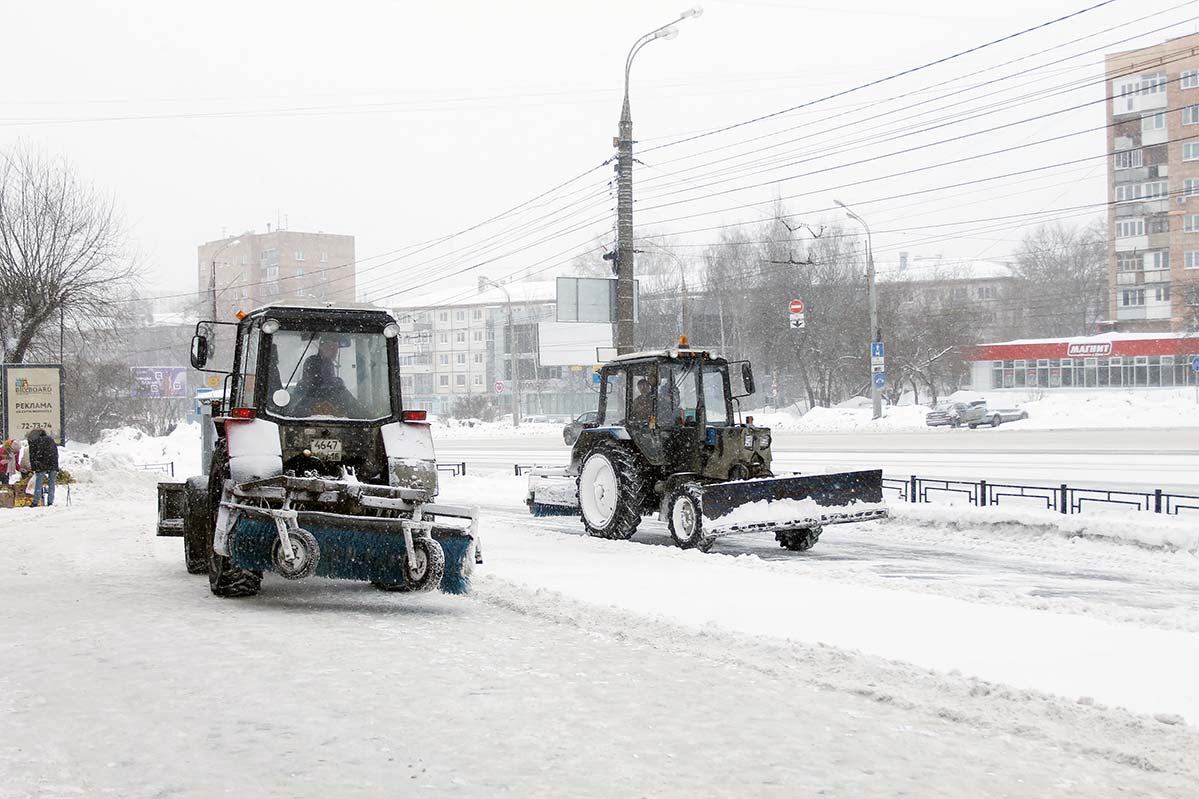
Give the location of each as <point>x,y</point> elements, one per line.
<point>1180,533</point>
<point>129,449</point>
<point>1100,409</point>
<point>473,428</point>
<point>841,419</point>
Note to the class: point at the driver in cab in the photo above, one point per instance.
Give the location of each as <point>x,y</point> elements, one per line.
<point>323,392</point>
<point>642,406</point>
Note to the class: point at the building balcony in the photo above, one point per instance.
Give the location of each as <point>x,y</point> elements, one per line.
<point>1124,312</point>
<point>1130,243</point>
<point>1137,277</point>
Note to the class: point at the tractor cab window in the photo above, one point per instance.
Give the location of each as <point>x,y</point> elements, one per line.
<point>677,403</point>
<point>715,408</point>
<point>615,389</point>
<point>316,374</point>
<point>643,385</point>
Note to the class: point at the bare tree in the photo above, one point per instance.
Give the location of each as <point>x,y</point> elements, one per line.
<point>62,251</point>
<point>1064,271</point>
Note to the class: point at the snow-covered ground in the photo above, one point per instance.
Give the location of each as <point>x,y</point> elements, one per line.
<point>1040,654</point>
<point>577,668</point>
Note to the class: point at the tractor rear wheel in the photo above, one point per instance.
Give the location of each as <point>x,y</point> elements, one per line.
<point>685,518</point>
<point>611,492</point>
<point>224,578</point>
<point>798,540</point>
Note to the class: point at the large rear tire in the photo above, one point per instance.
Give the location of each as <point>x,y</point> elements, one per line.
<point>685,518</point>
<point>195,539</point>
<point>611,492</point>
<point>224,579</point>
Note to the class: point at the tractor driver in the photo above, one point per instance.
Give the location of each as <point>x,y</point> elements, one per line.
<point>642,406</point>
<point>321,391</point>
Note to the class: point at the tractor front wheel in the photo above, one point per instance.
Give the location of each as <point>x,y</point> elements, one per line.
<point>686,520</point>
<point>425,571</point>
<point>611,489</point>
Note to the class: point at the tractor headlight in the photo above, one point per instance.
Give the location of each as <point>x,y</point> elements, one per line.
<point>763,440</point>
<point>270,326</point>
<point>391,330</point>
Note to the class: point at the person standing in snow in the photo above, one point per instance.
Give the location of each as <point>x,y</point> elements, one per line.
<point>43,460</point>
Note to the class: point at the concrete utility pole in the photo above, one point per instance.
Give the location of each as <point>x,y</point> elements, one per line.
<point>212,276</point>
<point>625,332</point>
<point>485,281</point>
<point>876,396</point>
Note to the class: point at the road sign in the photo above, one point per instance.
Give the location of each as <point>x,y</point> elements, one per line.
<point>796,306</point>
<point>1195,363</point>
<point>877,367</point>
<point>797,321</point>
<point>880,380</point>
<point>500,387</point>
<point>876,349</point>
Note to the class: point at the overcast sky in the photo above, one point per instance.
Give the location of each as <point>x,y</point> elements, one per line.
<point>398,122</point>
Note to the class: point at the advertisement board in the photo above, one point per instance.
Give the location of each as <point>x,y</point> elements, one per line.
<point>33,397</point>
<point>158,381</point>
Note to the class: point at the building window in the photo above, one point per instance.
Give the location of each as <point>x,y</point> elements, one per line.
<point>986,292</point>
<point>477,313</point>
<point>1191,259</point>
<point>478,380</point>
<point>1190,187</point>
<point>1126,192</point>
<point>1129,228</point>
<point>1128,261</point>
<point>1152,84</point>
<point>459,316</point>
<point>1161,293</point>
<point>477,335</point>
<point>1155,121</point>
<point>1189,79</point>
<point>443,380</point>
<point>443,338</point>
<point>299,273</point>
<point>1132,297</point>
<point>1190,151</point>
<point>1190,115</point>
<point>1158,224</point>
<point>1158,188</point>
<point>1193,295</point>
<point>460,358</point>
<point>460,337</point>
<point>444,316</point>
<point>460,380</point>
<point>443,359</point>
<point>1159,259</point>
<point>1128,159</point>
<point>478,357</point>
<point>299,255</point>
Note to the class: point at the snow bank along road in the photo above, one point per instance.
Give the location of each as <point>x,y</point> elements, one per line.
<point>120,675</point>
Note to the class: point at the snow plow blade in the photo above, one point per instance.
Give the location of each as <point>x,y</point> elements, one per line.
<point>798,501</point>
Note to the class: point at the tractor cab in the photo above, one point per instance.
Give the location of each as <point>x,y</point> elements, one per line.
<point>678,409</point>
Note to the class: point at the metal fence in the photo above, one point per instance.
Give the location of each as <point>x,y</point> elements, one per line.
<point>455,469</point>
<point>166,467</point>
<point>1062,498</point>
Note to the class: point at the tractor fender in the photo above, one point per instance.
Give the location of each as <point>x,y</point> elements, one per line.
<point>255,450</point>
<point>411,459</point>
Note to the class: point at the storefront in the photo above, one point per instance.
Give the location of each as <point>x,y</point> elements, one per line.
<point>1109,360</point>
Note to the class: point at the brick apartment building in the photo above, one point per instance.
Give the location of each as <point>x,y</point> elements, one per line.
<point>252,269</point>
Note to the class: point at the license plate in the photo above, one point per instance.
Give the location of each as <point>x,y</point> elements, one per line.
<point>326,448</point>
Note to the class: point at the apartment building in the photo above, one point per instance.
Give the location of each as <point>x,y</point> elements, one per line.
<point>253,269</point>
<point>1153,186</point>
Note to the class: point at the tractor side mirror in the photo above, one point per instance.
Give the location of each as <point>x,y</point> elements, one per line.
<point>199,354</point>
<point>747,377</point>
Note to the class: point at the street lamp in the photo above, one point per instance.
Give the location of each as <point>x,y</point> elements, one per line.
<point>212,274</point>
<point>624,193</point>
<point>876,397</point>
<point>486,281</point>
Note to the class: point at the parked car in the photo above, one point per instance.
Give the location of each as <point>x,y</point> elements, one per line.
<point>570,432</point>
<point>972,414</point>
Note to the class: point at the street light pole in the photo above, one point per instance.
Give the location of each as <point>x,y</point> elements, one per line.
<point>625,332</point>
<point>512,350</point>
<point>876,396</point>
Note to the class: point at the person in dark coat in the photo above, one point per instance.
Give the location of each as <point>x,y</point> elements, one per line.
<point>43,460</point>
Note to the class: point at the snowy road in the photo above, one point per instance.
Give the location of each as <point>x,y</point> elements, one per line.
<point>1160,458</point>
<point>121,676</point>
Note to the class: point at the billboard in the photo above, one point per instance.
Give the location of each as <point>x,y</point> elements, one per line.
<point>33,398</point>
<point>589,299</point>
<point>571,343</point>
<point>164,382</point>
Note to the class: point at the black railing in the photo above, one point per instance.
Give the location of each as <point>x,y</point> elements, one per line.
<point>166,468</point>
<point>455,469</point>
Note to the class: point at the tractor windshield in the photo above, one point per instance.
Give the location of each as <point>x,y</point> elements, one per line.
<point>677,403</point>
<point>329,375</point>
